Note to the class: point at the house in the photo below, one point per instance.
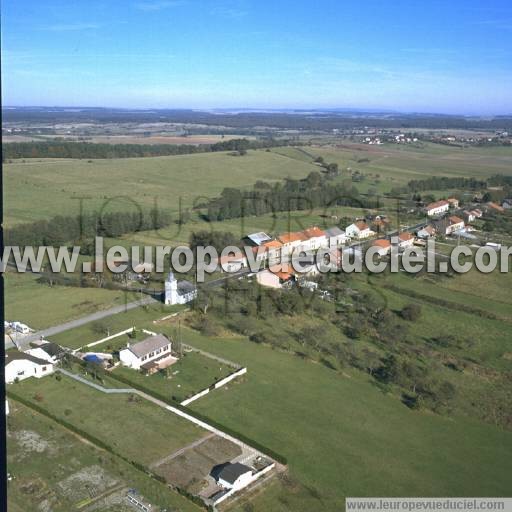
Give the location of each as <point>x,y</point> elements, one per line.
<point>232,262</point>
<point>273,250</point>
<point>455,224</point>
<point>232,476</point>
<point>426,232</point>
<point>257,239</point>
<point>383,245</point>
<point>20,366</point>
<point>437,208</point>
<point>315,238</point>
<point>268,279</point>
<point>47,350</point>
<point>150,355</point>
<point>495,207</point>
<point>454,202</point>
<point>405,239</point>
<point>178,292</point>
<point>380,224</point>
<point>468,215</point>
<point>507,204</point>
<point>335,237</point>
<point>359,230</point>
<point>291,242</point>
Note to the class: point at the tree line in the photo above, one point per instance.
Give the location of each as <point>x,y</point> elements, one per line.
<point>84,150</point>
<point>312,192</point>
<point>446,183</point>
<point>65,229</point>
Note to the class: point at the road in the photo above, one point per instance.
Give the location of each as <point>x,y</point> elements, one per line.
<point>24,343</point>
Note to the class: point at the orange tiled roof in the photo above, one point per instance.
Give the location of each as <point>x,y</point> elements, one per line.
<point>381,242</point>
<point>437,204</point>
<point>288,238</point>
<point>455,220</point>
<point>273,244</point>
<point>313,232</point>
<point>405,236</point>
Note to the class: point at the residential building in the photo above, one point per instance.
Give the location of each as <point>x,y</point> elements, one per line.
<point>383,245</point>
<point>437,208</point>
<point>291,242</point>
<point>455,224</point>
<point>507,204</point>
<point>150,355</point>
<point>233,476</point>
<point>233,262</point>
<point>20,366</point>
<point>359,230</point>
<point>454,202</point>
<point>335,237</point>
<point>426,232</point>
<point>315,239</point>
<point>273,251</point>
<point>405,239</point>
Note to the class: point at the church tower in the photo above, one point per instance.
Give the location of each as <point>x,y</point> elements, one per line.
<point>171,289</point>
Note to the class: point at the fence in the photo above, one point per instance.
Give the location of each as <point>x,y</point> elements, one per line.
<point>217,385</point>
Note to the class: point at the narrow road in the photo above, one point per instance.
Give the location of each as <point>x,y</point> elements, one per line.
<point>24,342</point>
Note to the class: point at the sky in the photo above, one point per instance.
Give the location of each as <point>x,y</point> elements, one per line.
<point>412,56</point>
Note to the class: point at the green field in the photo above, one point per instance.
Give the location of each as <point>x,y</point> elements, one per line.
<point>40,306</point>
<point>192,373</point>
<point>343,437</point>
<point>53,467</point>
<point>138,430</point>
<point>45,188</point>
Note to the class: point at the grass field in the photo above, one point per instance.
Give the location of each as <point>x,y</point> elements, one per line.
<point>40,306</point>
<point>343,437</point>
<point>139,430</point>
<point>45,188</point>
<point>54,468</point>
<point>192,373</point>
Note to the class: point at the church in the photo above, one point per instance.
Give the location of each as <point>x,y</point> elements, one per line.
<point>178,292</point>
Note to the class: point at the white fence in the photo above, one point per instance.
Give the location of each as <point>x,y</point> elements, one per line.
<point>217,385</point>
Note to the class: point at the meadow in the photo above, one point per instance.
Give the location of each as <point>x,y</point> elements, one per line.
<point>41,189</point>
<point>42,456</point>
<point>41,306</point>
<point>137,429</point>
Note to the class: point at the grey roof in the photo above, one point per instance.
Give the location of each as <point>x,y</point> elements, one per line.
<point>52,349</point>
<point>230,472</point>
<point>15,355</point>
<point>335,231</point>
<point>259,238</point>
<point>185,287</point>
<point>148,345</point>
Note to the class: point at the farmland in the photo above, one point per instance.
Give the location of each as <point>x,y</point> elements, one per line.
<point>71,400</point>
<point>126,184</point>
<point>52,467</point>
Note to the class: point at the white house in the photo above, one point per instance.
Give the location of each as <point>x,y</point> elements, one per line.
<point>178,292</point>
<point>151,354</point>
<point>19,365</point>
<point>359,230</point>
<point>455,224</point>
<point>335,237</point>
<point>315,238</point>
<point>233,476</point>
<point>268,279</point>
<point>437,208</point>
<point>405,239</point>
<point>232,262</point>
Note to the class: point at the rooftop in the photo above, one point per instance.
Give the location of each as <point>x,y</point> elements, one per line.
<point>148,345</point>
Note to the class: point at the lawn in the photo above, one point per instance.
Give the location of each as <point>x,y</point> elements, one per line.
<point>139,430</point>
<point>42,456</point>
<point>344,437</point>
<point>40,306</point>
<point>125,184</point>
<point>191,374</point>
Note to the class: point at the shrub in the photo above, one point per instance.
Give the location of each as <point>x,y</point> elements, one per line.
<point>411,312</point>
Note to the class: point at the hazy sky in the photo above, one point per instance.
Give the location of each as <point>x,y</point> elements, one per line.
<point>451,56</point>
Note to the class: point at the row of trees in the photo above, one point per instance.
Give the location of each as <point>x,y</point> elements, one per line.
<point>312,192</point>
<point>65,229</point>
<point>446,183</point>
<point>82,150</point>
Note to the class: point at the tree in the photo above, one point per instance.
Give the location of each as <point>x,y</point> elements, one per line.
<point>411,312</point>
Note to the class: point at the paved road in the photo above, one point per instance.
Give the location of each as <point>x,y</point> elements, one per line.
<point>24,343</point>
